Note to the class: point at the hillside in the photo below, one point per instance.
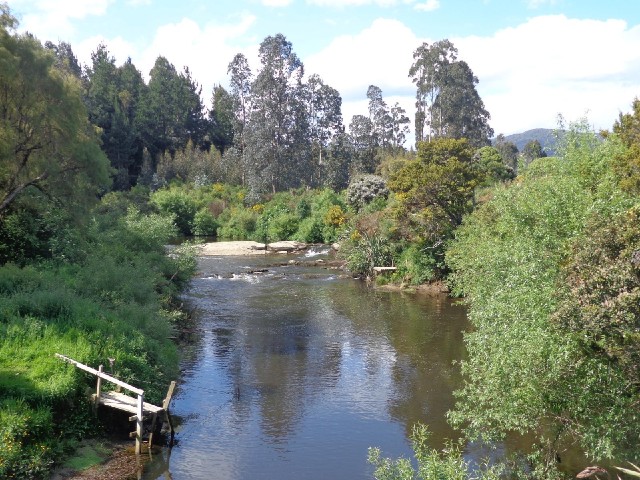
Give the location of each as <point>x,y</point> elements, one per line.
<point>544,135</point>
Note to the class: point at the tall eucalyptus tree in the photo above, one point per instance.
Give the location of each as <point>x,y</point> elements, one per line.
<point>324,110</point>
<point>277,155</point>
<point>428,72</point>
<point>447,103</point>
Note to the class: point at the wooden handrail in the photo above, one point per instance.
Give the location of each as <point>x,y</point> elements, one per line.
<point>102,375</point>
<point>139,418</point>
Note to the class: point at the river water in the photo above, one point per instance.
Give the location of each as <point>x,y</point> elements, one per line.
<point>295,372</point>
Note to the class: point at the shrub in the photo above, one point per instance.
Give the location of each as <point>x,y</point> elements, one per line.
<point>204,223</point>
<point>363,252</point>
<point>310,230</point>
<point>448,464</point>
<point>240,224</point>
<point>416,265</point>
<point>179,204</point>
<point>363,189</point>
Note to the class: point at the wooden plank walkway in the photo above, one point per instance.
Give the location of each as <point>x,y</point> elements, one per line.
<point>123,402</point>
<point>136,406</point>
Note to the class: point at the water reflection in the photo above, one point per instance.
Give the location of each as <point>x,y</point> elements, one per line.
<point>295,372</point>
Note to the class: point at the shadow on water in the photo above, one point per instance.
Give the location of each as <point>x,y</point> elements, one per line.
<point>294,372</point>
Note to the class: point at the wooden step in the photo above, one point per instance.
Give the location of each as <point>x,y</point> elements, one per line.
<point>123,402</point>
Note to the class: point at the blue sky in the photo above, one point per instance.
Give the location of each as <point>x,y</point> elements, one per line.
<point>535,59</point>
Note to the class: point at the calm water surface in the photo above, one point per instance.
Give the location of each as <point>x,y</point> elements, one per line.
<point>295,372</point>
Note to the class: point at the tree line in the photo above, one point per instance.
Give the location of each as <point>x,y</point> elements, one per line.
<point>273,128</point>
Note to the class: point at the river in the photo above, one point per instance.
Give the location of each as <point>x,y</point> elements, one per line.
<point>294,372</point>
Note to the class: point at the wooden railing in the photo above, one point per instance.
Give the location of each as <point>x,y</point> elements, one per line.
<point>139,416</point>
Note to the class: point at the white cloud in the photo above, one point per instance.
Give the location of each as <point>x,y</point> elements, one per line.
<point>53,17</point>
<point>359,3</point>
<point>137,3</point>
<point>207,51</point>
<point>428,6</point>
<point>379,55</point>
<point>528,74</point>
<point>553,64</point>
<point>277,3</point>
<point>533,4</point>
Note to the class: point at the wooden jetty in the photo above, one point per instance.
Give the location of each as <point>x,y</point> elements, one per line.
<point>384,269</point>
<point>120,401</point>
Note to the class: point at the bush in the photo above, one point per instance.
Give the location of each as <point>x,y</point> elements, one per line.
<point>416,265</point>
<point>237,224</point>
<point>178,204</point>
<point>363,252</point>
<point>310,231</point>
<point>448,464</point>
<point>204,223</point>
<point>25,449</point>
<point>363,189</point>
<point>524,374</point>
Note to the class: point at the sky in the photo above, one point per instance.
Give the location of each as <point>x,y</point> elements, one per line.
<point>534,59</point>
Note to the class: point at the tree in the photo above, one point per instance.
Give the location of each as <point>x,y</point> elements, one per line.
<point>447,103</point>
<point>221,119</point>
<point>627,165</point>
<point>241,80</point>
<point>399,126</point>
<point>461,110</point>
<point>65,58</point>
<point>171,111</point>
<point>112,97</point>
<point>324,108</point>
<point>46,143</point>
<point>436,189</point>
<point>489,164</point>
<point>191,110</point>
<point>363,139</point>
<point>601,301</point>
<point>338,162</point>
<point>530,368</point>
<point>277,133</point>
<point>531,151</point>
<point>428,73</point>
<point>380,117</point>
<point>508,151</point>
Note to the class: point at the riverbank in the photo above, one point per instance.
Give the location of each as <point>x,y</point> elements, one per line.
<point>246,247</point>
<point>102,460</point>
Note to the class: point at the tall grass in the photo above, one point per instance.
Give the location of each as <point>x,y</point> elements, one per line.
<point>117,302</point>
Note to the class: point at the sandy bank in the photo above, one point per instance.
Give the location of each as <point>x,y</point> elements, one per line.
<point>249,248</point>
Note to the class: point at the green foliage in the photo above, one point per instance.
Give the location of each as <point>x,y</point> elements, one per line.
<point>180,205</point>
<point>364,252</point>
<point>435,190</point>
<point>448,464</point>
<point>417,264</point>
<point>599,307</point>
<point>237,224</point>
<point>310,231</point>
<point>25,445</point>
<point>48,148</point>
<point>491,166</point>
<point>523,373</point>
<point>115,300</point>
<point>204,223</point>
<point>627,164</point>
<point>363,189</point>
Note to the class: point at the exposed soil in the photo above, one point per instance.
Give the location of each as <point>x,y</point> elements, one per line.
<point>119,462</point>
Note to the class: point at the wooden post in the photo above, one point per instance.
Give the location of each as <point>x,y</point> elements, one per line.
<point>139,420</point>
<point>165,407</point>
<point>98,390</point>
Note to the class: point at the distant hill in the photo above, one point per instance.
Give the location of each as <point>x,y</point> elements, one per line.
<point>543,135</point>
